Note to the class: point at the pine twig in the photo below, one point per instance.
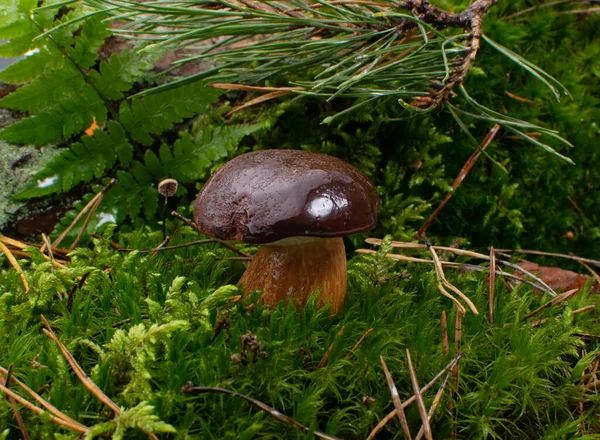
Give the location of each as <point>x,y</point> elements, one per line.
<point>406,245</point>
<point>13,405</point>
<point>456,371</point>
<point>51,408</point>
<point>492,286</point>
<point>559,299</point>
<point>444,333</point>
<point>396,399</point>
<point>461,176</point>
<point>358,344</point>
<point>435,403</point>
<point>85,209</point>
<point>188,222</point>
<point>454,265</point>
<point>552,254</point>
<point>443,282</point>
<point>420,403</point>
<point>325,357</point>
<point>84,378</point>
<point>189,388</point>
<point>447,369</point>
<point>15,264</point>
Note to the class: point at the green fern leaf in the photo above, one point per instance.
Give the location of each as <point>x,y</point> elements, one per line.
<point>120,72</point>
<point>46,92</point>
<point>31,67</point>
<point>81,163</point>
<point>192,158</point>
<point>85,51</point>
<point>69,117</point>
<point>156,113</point>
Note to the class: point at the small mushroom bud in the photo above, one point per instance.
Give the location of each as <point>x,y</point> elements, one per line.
<point>168,187</point>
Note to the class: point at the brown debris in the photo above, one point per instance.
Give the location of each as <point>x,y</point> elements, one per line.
<point>557,278</point>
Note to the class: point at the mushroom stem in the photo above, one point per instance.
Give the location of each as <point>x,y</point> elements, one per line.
<point>295,268</point>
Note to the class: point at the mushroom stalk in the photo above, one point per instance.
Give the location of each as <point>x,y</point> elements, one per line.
<point>296,267</point>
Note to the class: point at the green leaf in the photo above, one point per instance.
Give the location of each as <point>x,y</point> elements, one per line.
<point>156,113</point>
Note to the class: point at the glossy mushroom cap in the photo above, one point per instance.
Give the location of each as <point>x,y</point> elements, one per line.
<point>268,195</point>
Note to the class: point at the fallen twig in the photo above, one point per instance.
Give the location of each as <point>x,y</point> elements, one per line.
<point>560,298</point>
<point>85,380</point>
<point>407,245</point>
<point>51,408</point>
<point>189,388</point>
<point>492,286</point>
<point>396,399</point>
<point>420,403</point>
<point>326,355</point>
<point>195,226</point>
<point>487,140</point>
<point>447,369</point>
<point>444,333</point>
<point>552,254</point>
<point>85,209</point>
<point>453,265</point>
<point>15,264</point>
<point>13,405</point>
<point>360,341</point>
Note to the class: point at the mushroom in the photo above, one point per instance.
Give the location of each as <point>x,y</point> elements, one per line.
<point>298,205</point>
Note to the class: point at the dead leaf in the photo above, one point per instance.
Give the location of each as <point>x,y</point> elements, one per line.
<point>557,278</point>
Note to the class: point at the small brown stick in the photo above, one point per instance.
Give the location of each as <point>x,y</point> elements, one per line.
<point>87,220</point>
<point>171,248</point>
<point>47,245</point>
<point>444,333</point>
<point>35,409</point>
<point>574,312</point>
<point>552,254</point>
<point>560,298</point>
<point>420,403</point>
<point>453,265</point>
<point>435,403</point>
<point>161,245</point>
<point>396,399</point>
<point>407,245</point>
<point>77,286</point>
<point>447,369</point>
<point>455,371</point>
<point>85,380</point>
<point>260,99</point>
<point>51,408</point>
<point>576,206</point>
<point>118,324</point>
<point>13,405</point>
<point>358,344</point>
<point>329,350</point>
<point>592,271</point>
<point>190,389</point>
<point>543,5</point>
<point>519,98</point>
<point>15,264</point>
<point>85,209</point>
<point>195,226</point>
<point>443,282</point>
<point>492,286</point>
<point>487,140</point>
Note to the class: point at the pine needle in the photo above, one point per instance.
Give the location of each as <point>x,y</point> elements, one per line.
<point>15,264</point>
<point>396,399</point>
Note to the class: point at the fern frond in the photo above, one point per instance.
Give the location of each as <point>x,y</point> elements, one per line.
<point>67,118</point>
<point>45,93</point>
<point>191,158</point>
<point>156,113</point>
<point>31,67</point>
<point>84,161</point>
<point>121,71</point>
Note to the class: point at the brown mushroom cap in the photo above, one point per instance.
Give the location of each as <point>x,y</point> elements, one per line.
<point>268,195</point>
